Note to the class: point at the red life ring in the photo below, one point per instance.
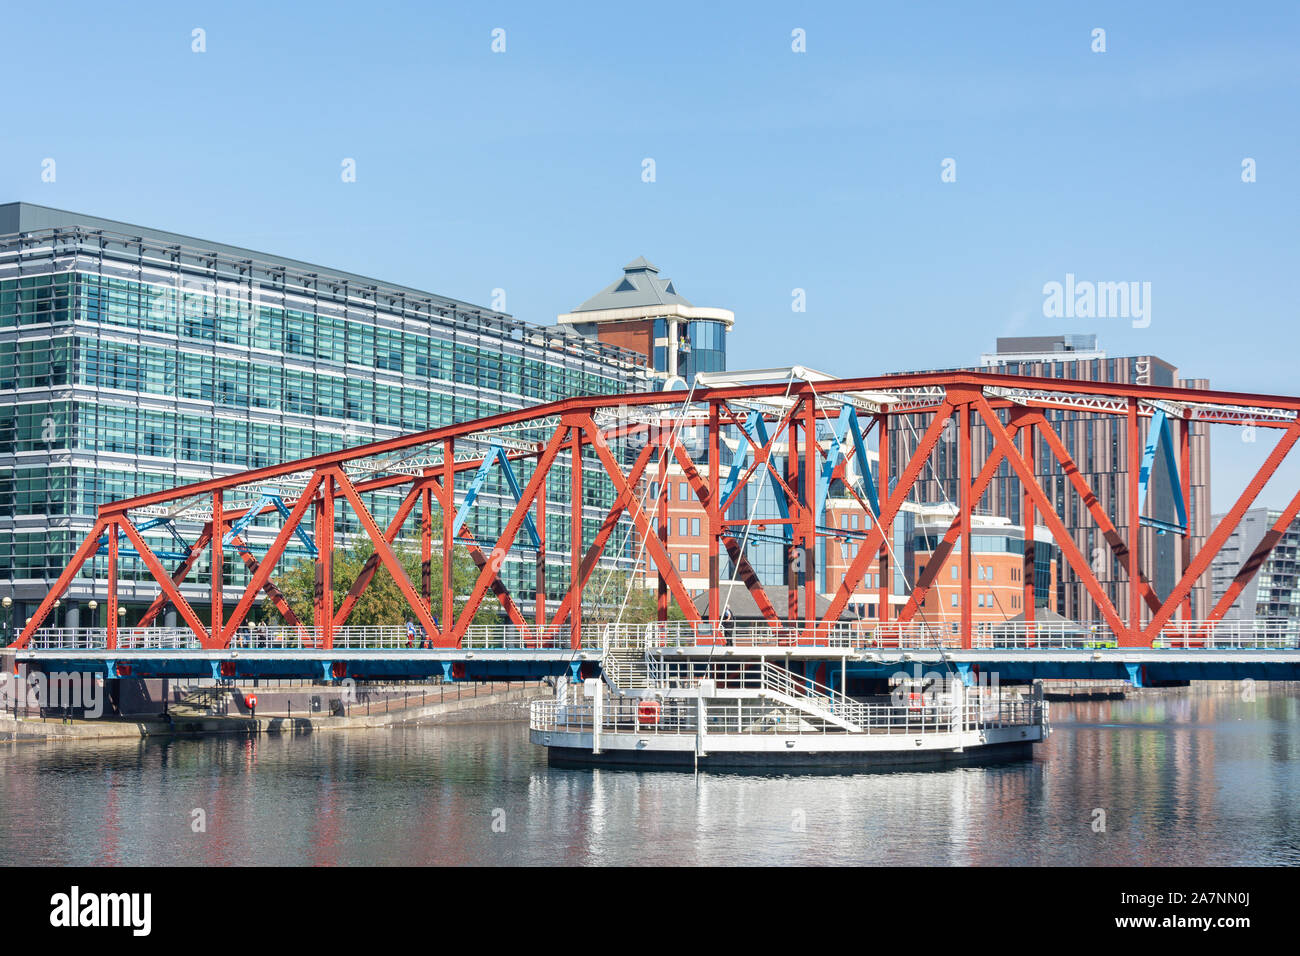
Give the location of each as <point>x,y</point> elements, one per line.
<point>250,701</point>
<point>647,712</point>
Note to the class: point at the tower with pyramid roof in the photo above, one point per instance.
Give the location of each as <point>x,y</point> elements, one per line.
<point>643,311</point>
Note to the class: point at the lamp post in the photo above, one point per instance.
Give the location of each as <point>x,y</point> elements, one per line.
<point>8,604</point>
<point>93,606</point>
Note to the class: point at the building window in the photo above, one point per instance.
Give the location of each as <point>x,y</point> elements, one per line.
<point>681,527</point>
<point>681,561</point>
<point>954,599</point>
<point>681,491</point>
<point>695,562</point>
<point>695,527</point>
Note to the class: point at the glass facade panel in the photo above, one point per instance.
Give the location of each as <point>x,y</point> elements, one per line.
<point>182,366</point>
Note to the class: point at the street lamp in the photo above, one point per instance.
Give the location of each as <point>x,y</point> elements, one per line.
<point>93,606</point>
<point>8,603</point>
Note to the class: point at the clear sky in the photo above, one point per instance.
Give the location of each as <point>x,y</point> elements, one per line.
<point>774,170</point>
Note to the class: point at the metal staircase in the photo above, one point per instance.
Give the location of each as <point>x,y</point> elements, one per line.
<point>626,670</point>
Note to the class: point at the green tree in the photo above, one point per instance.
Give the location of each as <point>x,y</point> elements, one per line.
<point>603,600</point>
<point>382,602</point>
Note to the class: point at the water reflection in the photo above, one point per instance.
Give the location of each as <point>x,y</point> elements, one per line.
<point>1180,779</point>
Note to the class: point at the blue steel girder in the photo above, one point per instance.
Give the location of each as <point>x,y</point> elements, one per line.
<point>168,524</point>
<point>243,521</point>
<point>845,427</point>
<point>846,424</point>
<point>757,430</point>
<point>495,456</point>
<point>1159,428</point>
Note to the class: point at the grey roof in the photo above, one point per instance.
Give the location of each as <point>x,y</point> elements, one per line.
<point>738,599</point>
<point>20,217</point>
<point>639,286</point>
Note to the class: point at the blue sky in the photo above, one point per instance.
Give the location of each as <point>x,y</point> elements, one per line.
<point>775,170</point>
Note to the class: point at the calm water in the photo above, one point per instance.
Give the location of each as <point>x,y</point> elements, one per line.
<point>1183,780</point>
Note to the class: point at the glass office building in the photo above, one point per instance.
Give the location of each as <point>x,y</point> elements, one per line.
<point>134,360</point>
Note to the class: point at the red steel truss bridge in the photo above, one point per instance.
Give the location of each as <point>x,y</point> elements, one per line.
<point>799,432</point>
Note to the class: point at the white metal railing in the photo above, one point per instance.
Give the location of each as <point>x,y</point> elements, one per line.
<point>281,638</point>
<point>753,675</point>
<point>680,715</point>
<point>1229,635</point>
<point>920,635</point>
<point>845,636</point>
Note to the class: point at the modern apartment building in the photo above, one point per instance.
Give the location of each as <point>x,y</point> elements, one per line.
<point>1098,446</point>
<point>134,359</point>
<point>1274,591</point>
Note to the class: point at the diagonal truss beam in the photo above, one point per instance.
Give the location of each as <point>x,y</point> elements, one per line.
<point>387,556</point>
<point>1201,562</point>
<point>889,508</point>
<point>178,576</point>
<point>173,593</point>
<point>491,569</point>
<point>88,547</point>
<point>939,557</point>
<point>1250,567</point>
<point>603,534</point>
<point>1065,541</point>
<point>269,561</point>
<point>1118,546</point>
<point>662,559</point>
<point>744,570</point>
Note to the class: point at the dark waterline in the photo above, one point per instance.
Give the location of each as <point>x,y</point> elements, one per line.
<point>1207,780</point>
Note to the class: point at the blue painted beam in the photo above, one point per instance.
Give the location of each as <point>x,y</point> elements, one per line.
<point>1159,429</point>
<point>496,456</point>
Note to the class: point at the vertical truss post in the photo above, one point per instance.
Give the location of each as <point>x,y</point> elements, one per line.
<point>1185,479</point>
<point>110,605</point>
<point>575,545</point>
<point>160,575</point>
<point>1134,521</point>
<point>889,506</point>
<point>967,504</point>
<point>887,530</point>
<point>713,516</point>
<point>661,523</point>
<point>1028,574</point>
<point>88,547</point>
<point>263,573</point>
<point>448,518</point>
<point>426,546</point>
<point>218,562</point>
<point>808,511</point>
<point>792,515</point>
<point>539,602</point>
<point>325,563</point>
<point>939,555</point>
<point>1069,549</point>
<point>1118,546</point>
